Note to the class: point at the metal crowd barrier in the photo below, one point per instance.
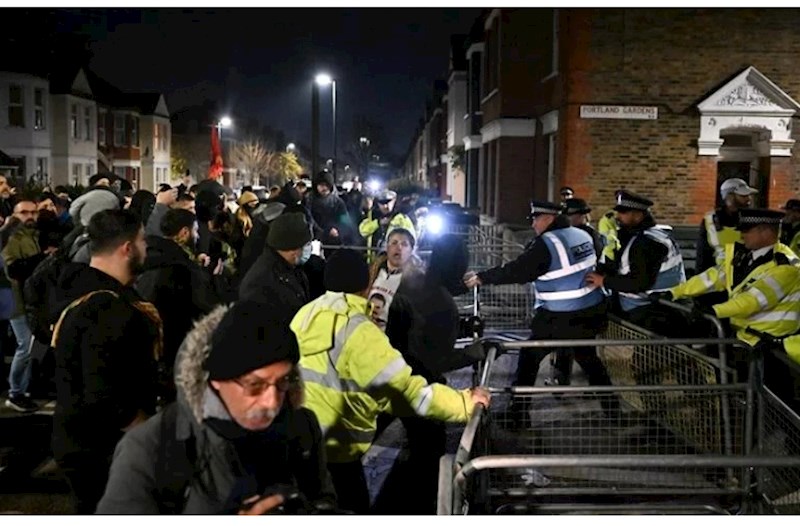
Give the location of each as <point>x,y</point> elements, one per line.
<point>664,447</point>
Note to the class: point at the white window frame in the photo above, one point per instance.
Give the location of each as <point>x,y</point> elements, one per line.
<point>20,104</point>
<point>101,127</point>
<point>87,123</point>
<point>134,142</point>
<point>119,119</point>
<point>76,172</point>
<point>74,122</point>
<point>39,110</point>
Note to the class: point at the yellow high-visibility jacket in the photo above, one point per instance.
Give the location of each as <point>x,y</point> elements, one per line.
<point>719,239</point>
<point>352,373</point>
<point>607,227</point>
<point>369,226</point>
<point>768,299</point>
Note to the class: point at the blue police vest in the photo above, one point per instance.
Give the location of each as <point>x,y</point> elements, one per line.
<point>562,288</point>
<point>670,274</point>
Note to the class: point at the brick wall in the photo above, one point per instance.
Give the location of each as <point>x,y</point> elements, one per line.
<point>673,59</point>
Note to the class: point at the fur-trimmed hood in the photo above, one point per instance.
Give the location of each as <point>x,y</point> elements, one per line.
<point>191,380</point>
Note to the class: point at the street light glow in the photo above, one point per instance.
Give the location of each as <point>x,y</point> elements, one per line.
<point>290,147</point>
<point>225,122</point>
<point>323,79</point>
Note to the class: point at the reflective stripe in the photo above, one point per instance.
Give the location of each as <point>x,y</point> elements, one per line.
<point>671,263</point>
<point>560,250</point>
<point>566,271</point>
<point>788,315</point>
<point>711,230</point>
<point>425,401</point>
<point>566,295</point>
<point>388,372</point>
<point>706,279</point>
<point>759,296</point>
<point>791,298</point>
<point>330,378</point>
<point>775,286</point>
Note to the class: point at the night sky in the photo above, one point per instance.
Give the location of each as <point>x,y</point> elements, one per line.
<point>261,61</point>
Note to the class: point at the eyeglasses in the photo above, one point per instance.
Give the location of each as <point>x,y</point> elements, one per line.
<point>257,388</point>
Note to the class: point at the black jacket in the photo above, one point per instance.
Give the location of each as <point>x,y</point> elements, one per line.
<point>330,212</point>
<point>272,279</point>
<point>645,256</point>
<point>105,367</point>
<point>181,291</point>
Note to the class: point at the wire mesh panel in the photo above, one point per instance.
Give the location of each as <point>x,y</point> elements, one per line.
<point>574,422</point>
<point>780,436</point>
<point>666,364</point>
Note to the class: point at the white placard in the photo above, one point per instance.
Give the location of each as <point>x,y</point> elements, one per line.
<point>619,112</point>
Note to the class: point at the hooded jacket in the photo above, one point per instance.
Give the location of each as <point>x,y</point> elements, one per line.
<point>329,212</point>
<point>178,462</point>
<point>352,373</point>
<point>106,371</point>
<point>95,200</point>
<point>181,291</point>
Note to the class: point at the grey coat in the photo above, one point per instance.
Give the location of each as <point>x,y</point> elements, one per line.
<point>153,471</point>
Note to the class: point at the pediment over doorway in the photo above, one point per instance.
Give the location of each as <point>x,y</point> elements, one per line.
<point>749,101</point>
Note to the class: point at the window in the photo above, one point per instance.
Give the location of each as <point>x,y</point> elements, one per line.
<point>16,106</point>
<point>87,123</point>
<point>89,171</point>
<point>134,131</point>
<point>164,138</point>
<point>120,171</point>
<point>101,127</point>
<point>119,130</point>
<point>41,167</point>
<point>158,175</point>
<point>39,115</point>
<point>76,173</point>
<point>73,122</point>
<point>550,159</point>
<point>156,136</point>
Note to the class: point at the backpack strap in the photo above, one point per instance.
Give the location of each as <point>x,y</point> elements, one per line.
<point>77,302</point>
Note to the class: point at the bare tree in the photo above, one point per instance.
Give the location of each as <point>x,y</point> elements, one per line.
<point>253,159</point>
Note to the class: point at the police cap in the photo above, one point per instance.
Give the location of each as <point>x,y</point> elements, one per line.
<point>626,201</point>
<point>543,207</point>
<point>750,217</point>
<point>576,206</point>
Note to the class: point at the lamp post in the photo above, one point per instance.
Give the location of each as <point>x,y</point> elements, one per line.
<point>323,79</point>
<point>224,122</point>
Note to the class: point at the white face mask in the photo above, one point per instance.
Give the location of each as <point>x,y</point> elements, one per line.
<point>306,255</point>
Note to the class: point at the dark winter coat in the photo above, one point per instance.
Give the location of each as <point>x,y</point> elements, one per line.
<point>105,366</point>
<point>179,462</point>
<point>181,291</point>
<point>330,212</point>
<point>272,279</point>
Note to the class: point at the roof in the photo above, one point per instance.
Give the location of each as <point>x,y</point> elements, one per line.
<point>104,92</point>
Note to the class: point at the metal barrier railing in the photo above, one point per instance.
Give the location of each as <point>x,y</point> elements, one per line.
<point>613,456</point>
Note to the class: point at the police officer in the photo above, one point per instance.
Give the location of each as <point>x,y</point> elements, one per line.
<point>790,228</point>
<point>557,262</point>
<point>719,226</point>
<point>648,260</point>
<point>577,210</point>
<point>762,283</point>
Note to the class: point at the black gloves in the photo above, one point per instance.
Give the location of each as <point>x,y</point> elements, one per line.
<point>663,295</point>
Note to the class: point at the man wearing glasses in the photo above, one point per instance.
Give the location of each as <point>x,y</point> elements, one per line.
<point>237,439</point>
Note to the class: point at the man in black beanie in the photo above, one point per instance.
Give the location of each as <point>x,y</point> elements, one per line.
<point>237,440</point>
<point>276,275</point>
<point>352,373</point>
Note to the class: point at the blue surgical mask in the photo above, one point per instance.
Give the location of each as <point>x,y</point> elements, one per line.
<point>306,255</point>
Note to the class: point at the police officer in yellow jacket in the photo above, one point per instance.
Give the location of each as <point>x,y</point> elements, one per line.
<point>763,283</point>
<point>380,219</point>
<point>352,374</point>
<point>719,227</point>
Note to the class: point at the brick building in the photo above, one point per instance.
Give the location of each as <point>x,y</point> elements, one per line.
<point>664,102</point>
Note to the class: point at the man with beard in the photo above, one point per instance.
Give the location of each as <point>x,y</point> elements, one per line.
<point>380,219</point>
<point>107,345</point>
<point>173,281</point>
<point>21,255</point>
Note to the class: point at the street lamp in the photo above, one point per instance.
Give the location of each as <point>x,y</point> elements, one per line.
<point>290,147</point>
<point>323,79</point>
<point>224,122</point>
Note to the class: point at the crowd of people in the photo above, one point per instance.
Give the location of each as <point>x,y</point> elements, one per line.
<point>204,360</point>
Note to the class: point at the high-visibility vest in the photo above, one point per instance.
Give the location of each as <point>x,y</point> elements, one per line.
<point>719,236</point>
<point>670,274</point>
<point>572,256</point>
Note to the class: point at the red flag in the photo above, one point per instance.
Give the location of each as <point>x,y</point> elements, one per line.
<point>215,170</point>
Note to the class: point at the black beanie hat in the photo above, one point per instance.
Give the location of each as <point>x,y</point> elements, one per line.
<point>289,232</point>
<point>346,271</point>
<point>250,336</point>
